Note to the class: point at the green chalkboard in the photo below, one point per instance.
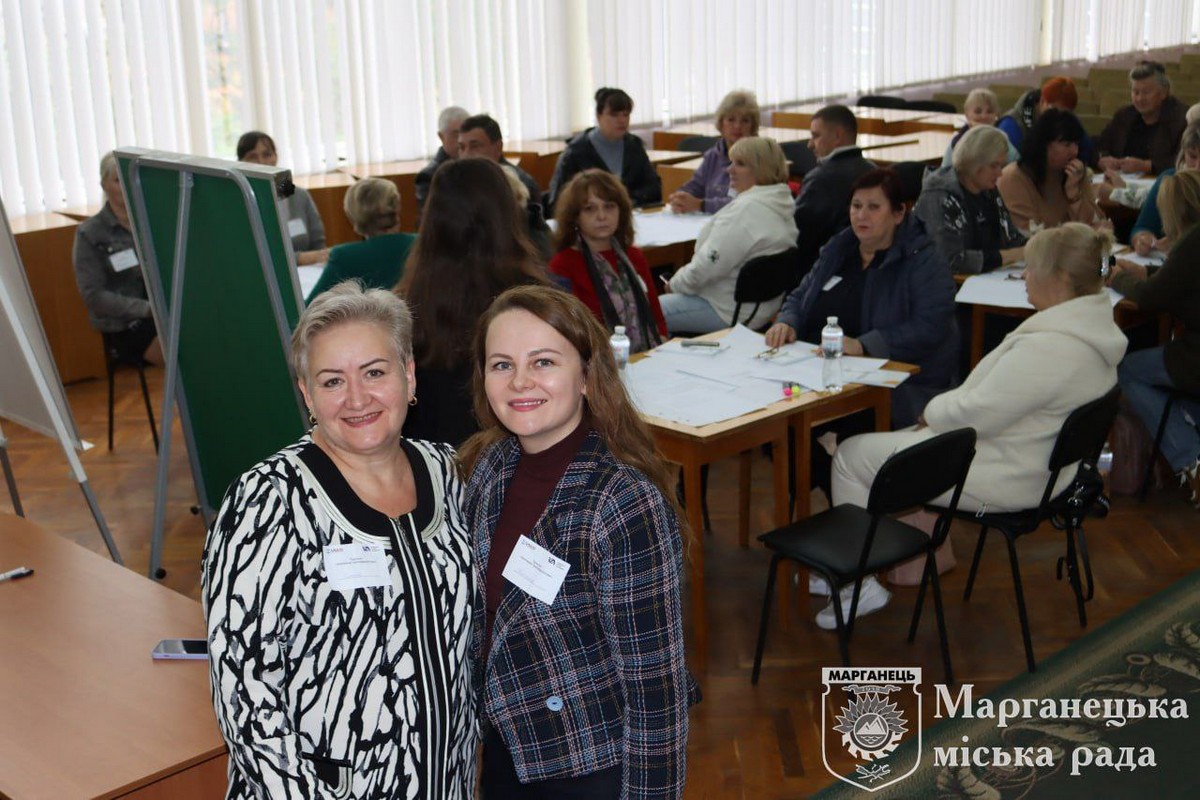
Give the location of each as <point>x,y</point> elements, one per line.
<point>240,399</point>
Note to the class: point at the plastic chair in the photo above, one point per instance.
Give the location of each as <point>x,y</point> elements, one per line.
<point>113,362</point>
<point>911,175</point>
<point>800,158</point>
<point>846,543</point>
<point>1080,440</point>
<point>762,279</point>
<point>697,144</point>
<point>882,101</point>
<point>1173,394</point>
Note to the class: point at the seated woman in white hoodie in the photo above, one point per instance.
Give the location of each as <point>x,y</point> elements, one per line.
<point>1017,398</point>
<point>757,223</point>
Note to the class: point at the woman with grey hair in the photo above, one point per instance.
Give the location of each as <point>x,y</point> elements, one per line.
<point>373,207</point>
<point>337,583</point>
<point>110,280</point>
<point>962,210</point>
<point>708,190</point>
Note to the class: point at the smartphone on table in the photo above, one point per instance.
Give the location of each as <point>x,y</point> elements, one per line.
<point>188,649</point>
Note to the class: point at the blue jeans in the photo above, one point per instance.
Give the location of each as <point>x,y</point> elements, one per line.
<point>689,313</point>
<point>1141,374</point>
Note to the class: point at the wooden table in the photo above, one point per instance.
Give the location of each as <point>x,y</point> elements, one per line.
<point>670,138</point>
<point>45,242</point>
<point>538,157</point>
<point>676,174</point>
<point>404,175</point>
<point>927,146</point>
<point>87,713</point>
<point>884,121</point>
<point>692,447</point>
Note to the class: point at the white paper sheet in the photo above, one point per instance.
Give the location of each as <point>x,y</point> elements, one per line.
<point>658,391</point>
<point>1003,288</point>
<point>1154,259</point>
<point>308,277</point>
<point>659,228</point>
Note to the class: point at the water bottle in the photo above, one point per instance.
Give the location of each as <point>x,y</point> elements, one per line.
<point>620,346</point>
<point>831,351</point>
<point>1105,462</point>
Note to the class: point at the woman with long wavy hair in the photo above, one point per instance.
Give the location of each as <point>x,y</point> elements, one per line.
<point>471,247</point>
<point>579,646</point>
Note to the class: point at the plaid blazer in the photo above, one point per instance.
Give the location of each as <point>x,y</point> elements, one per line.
<point>598,678</point>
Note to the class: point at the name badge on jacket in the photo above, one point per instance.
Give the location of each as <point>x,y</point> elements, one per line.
<point>123,259</point>
<point>356,566</point>
<point>535,570</point>
<point>296,227</point>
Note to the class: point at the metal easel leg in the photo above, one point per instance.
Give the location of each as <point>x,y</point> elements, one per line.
<point>100,523</point>
<point>10,479</point>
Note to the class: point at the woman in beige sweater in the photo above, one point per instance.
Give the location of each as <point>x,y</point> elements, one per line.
<point>1050,185</point>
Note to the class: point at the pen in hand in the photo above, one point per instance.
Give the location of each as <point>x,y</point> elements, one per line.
<point>15,574</point>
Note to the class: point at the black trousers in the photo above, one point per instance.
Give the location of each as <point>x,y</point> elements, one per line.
<point>499,781</point>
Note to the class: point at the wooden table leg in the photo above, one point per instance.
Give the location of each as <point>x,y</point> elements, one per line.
<point>883,408</point>
<point>744,499</point>
<point>695,557</point>
<point>978,316</point>
<point>802,432</point>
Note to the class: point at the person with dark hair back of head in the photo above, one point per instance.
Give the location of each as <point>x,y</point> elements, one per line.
<point>820,209</point>
<point>1144,135</point>
<point>471,246</point>
<point>448,123</point>
<point>611,147</point>
<point>583,686</point>
<point>597,258</point>
<point>1050,185</point>
<point>304,221</point>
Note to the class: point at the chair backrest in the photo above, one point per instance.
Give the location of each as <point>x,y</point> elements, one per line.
<point>697,144</point>
<point>932,105</point>
<point>800,158</point>
<point>911,175</point>
<point>766,277</point>
<point>918,474</point>
<point>882,101</point>
<point>1082,436</point>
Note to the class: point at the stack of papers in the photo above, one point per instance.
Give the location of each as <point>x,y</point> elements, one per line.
<point>1004,288</point>
<point>702,386</point>
<point>661,228</point>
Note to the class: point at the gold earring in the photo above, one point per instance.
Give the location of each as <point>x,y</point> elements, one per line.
<point>412,401</point>
<point>312,421</point>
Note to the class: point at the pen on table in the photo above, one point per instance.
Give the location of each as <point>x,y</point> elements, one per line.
<point>15,574</point>
<point>699,343</point>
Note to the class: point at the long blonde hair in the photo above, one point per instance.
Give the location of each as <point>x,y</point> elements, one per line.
<point>1179,202</point>
<point>611,412</point>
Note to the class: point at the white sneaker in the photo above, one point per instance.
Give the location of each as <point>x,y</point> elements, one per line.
<point>818,585</point>
<point>871,598</point>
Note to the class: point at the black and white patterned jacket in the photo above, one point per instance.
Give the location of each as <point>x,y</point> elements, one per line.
<point>323,693</point>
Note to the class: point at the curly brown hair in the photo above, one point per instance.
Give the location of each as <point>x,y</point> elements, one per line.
<point>573,198</point>
<point>610,411</point>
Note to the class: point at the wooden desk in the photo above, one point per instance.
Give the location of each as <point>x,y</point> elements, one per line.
<point>538,157</point>
<point>692,447</point>
<point>883,121</point>
<point>404,175</point>
<point>328,190</point>
<point>670,138</point>
<point>929,147</point>
<point>676,174</point>
<point>935,122</point>
<point>45,242</point>
<point>87,713</point>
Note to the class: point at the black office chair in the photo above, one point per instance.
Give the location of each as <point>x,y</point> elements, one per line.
<point>762,279</point>
<point>114,361</point>
<point>932,105</point>
<point>697,144</point>
<point>882,101</point>
<point>912,176</point>
<point>800,158</point>
<point>846,543</point>
<point>1080,440</point>
<point>1173,394</point>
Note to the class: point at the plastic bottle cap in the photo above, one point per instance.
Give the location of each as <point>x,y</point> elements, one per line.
<point>831,320</point>
<point>620,329</point>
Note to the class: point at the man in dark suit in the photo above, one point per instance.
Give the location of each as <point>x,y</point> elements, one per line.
<point>480,137</point>
<point>449,122</point>
<point>822,209</point>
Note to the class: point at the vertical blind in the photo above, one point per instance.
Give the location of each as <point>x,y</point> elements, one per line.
<point>350,81</point>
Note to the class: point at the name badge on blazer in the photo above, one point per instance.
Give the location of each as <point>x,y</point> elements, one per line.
<point>123,259</point>
<point>832,282</point>
<point>535,570</point>
<point>296,227</point>
<point>356,566</point>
